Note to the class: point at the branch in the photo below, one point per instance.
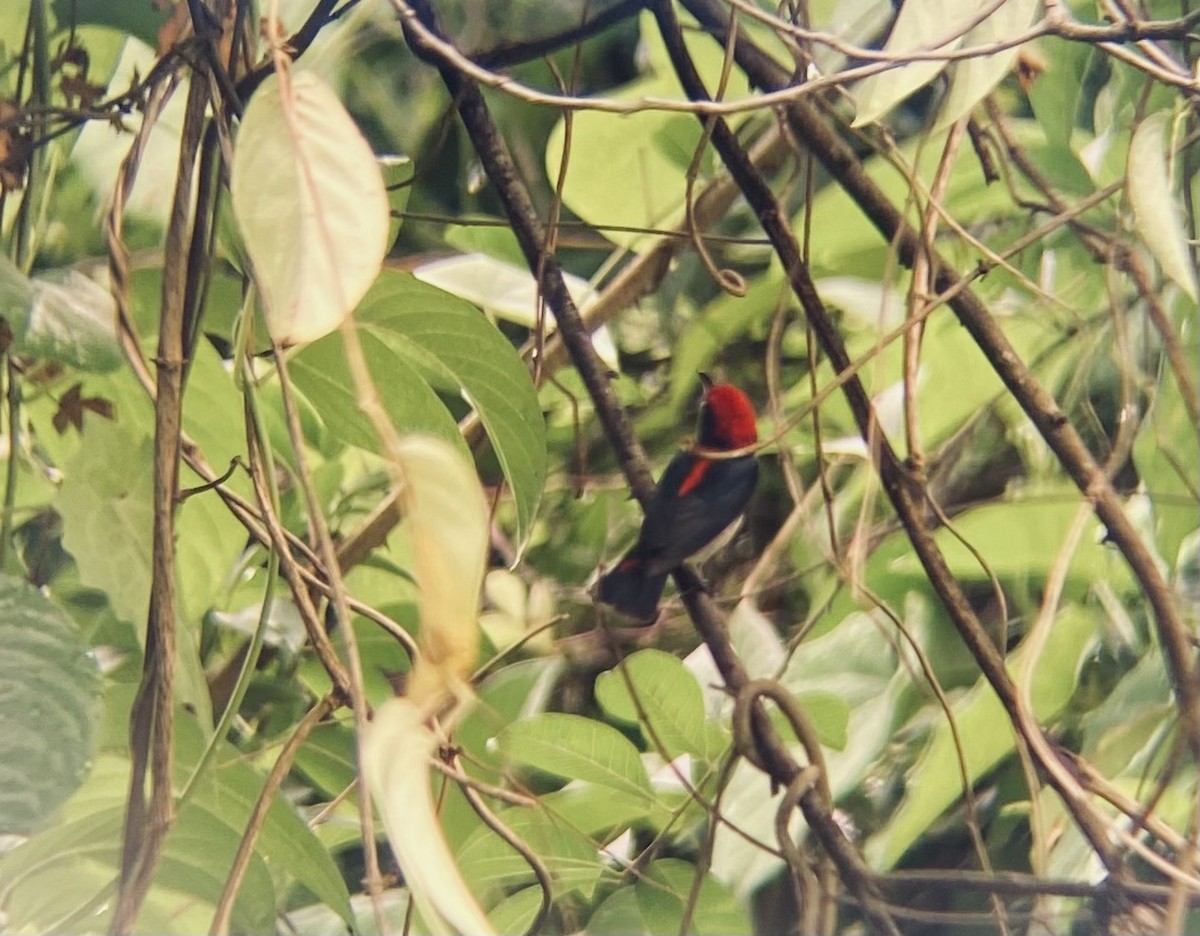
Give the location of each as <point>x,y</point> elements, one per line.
<point>1039,405</point>
<point>516,53</point>
<point>152,719</point>
<point>905,493</point>
<point>427,42</point>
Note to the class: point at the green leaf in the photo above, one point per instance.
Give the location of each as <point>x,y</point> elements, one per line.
<point>229,790</point>
<point>488,862</point>
<point>513,692</point>
<point>60,878</point>
<point>598,811</point>
<point>934,783</point>
<point>106,503</point>
<point>310,204</point>
<point>413,334</point>
<point>576,748</point>
<point>1054,93</point>
<point>516,913</point>
<point>46,707</point>
<point>1155,209</point>
<point>629,171</point>
<point>671,703</point>
<point>319,372</point>
<point>919,27</point>
<point>143,21</point>
<point>655,905</point>
<point>972,79</point>
<point>60,315</point>
<point>1016,539</point>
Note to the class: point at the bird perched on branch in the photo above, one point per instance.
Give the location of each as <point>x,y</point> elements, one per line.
<point>703,490</point>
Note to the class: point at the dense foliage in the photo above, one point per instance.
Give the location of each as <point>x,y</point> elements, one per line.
<point>338,335</point>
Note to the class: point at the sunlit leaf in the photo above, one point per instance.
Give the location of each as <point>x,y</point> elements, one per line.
<point>446,519</point>
<point>398,748</point>
<point>310,204</point>
<point>1152,195</point>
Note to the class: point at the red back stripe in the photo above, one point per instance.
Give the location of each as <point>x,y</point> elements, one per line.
<point>695,476</point>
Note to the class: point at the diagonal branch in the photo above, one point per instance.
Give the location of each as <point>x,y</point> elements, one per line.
<point>1037,402</point>
<point>494,156</point>
<point>906,493</point>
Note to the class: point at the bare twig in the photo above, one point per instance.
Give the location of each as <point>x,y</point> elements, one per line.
<point>152,718</point>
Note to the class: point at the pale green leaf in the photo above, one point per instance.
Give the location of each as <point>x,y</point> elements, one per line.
<point>101,146</point>
<point>310,204</point>
<point>629,172</point>
<point>972,79</point>
<point>398,747</point>
<point>106,504</point>
<point>60,315</point>
<point>576,748</point>
<point>925,26</point>
<point>1156,211</point>
<point>47,725</point>
<point>447,522</point>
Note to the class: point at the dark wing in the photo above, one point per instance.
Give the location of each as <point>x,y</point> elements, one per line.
<point>695,500</point>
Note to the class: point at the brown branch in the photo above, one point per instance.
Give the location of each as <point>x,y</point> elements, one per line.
<point>908,497</point>
<point>497,163</point>
<point>1039,405</point>
<point>258,815</point>
<point>152,716</point>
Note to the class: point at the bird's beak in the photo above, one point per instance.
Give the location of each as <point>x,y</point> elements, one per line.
<point>706,381</point>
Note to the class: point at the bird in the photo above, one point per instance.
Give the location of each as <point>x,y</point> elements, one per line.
<point>697,497</point>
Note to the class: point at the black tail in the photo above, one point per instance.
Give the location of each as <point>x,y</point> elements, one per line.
<point>631,591</point>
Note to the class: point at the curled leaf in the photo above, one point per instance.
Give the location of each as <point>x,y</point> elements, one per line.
<point>397,751</point>
<point>446,518</point>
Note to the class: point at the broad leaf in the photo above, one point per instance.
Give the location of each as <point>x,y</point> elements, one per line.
<point>414,334</point>
<point>670,703</point>
<point>60,315</point>
<point>576,748</point>
<point>310,204</point>
<point>46,707</point>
